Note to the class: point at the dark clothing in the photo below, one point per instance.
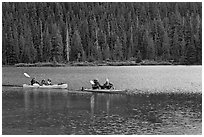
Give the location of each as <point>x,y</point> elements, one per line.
<point>33,81</point>
<point>43,82</point>
<point>96,85</point>
<point>107,85</point>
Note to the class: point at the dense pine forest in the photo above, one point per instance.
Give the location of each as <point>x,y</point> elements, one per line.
<point>63,32</point>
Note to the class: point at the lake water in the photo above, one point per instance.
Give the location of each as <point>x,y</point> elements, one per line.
<point>125,77</point>
<point>42,111</point>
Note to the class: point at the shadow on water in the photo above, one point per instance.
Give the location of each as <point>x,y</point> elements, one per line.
<point>62,112</point>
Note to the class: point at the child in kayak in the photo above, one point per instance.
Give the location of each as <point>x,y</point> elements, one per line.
<point>43,82</point>
<point>49,82</point>
<point>107,85</point>
<point>33,81</point>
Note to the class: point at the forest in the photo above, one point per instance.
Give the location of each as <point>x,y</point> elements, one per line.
<point>99,31</point>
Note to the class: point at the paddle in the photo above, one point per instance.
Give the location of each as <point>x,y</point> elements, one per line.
<point>91,82</point>
<point>26,75</point>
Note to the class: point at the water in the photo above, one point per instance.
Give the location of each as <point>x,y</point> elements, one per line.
<point>128,77</point>
<point>62,112</point>
<point>43,111</point>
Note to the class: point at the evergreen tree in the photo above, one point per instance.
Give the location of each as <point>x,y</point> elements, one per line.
<point>124,43</point>
<point>138,57</point>
<point>84,29</point>
<point>97,48</point>
<point>76,47</point>
<point>175,46</point>
<point>29,49</point>
<point>183,51</point>
<point>16,45</point>
<point>198,40</point>
<point>56,44</point>
<point>132,48</point>
<point>10,49</point>
<point>106,51</point>
<point>35,32</point>
<point>47,46</point>
<point>166,46</point>
<point>118,49</point>
<point>150,48</point>
<point>67,45</point>
<point>191,54</point>
<point>41,44</point>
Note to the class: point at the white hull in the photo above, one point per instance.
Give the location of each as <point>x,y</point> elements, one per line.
<point>103,90</point>
<point>55,86</point>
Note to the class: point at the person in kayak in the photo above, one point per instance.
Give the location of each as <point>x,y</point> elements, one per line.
<point>107,85</point>
<point>43,82</point>
<point>33,81</point>
<point>49,82</point>
<point>96,84</point>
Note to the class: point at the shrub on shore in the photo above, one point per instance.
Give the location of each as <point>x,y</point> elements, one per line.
<point>98,63</point>
<point>40,64</point>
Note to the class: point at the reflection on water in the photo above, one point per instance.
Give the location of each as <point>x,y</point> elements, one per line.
<point>62,112</point>
<point>92,106</point>
<point>106,102</point>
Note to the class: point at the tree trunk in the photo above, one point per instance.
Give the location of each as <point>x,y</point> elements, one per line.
<point>67,44</point>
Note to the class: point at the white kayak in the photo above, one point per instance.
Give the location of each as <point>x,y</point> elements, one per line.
<point>103,90</point>
<point>55,86</point>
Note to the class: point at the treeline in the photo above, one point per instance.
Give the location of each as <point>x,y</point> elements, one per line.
<point>63,32</point>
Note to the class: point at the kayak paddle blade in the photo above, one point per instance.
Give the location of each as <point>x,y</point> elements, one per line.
<point>26,75</point>
<point>91,82</point>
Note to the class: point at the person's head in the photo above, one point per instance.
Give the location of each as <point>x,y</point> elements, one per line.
<point>95,80</point>
<point>49,80</point>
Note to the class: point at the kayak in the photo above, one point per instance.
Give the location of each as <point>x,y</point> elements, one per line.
<point>103,90</point>
<point>55,86</point>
